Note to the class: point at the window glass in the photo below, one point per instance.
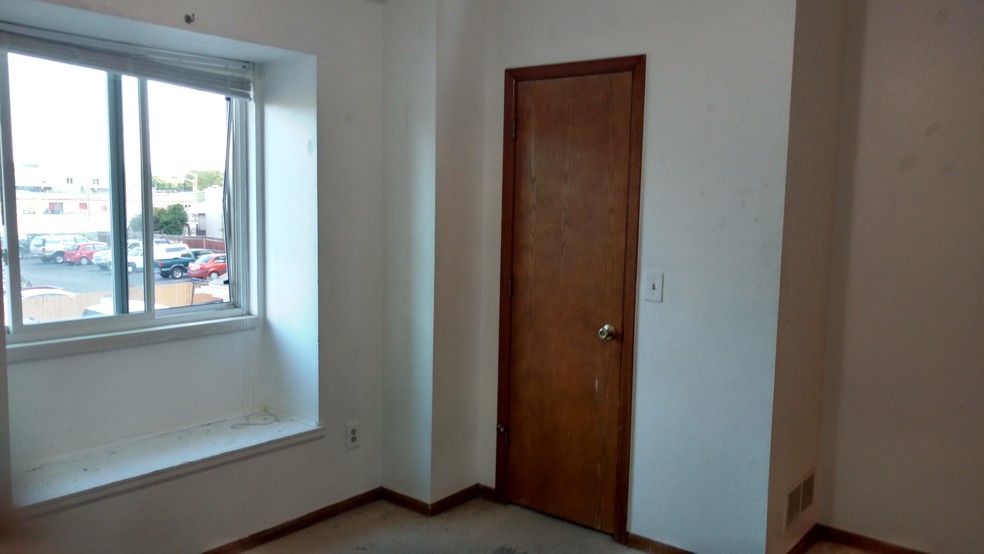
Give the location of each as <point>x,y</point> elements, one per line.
<point>60,145</point>
<point>187,153</point>
<point>91,152</point>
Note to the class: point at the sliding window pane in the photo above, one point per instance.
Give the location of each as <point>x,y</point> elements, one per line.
<point>187,157</point>
<point>60,143</point>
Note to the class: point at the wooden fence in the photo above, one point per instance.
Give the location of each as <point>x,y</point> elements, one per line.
<point>212,243</point>
<point>57,308</point>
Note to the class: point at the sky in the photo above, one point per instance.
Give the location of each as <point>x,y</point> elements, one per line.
<point>59,121</point>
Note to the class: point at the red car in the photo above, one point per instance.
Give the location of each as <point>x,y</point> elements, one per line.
<point>82,253</point>
<point>209,265</point>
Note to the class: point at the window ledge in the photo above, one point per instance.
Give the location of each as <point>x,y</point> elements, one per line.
<point>82,477</point>
<point>73,346</point>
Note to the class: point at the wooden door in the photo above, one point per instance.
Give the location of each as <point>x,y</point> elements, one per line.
<point>571,188</point>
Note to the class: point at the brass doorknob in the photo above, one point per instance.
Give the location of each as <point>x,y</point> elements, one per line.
<point>607,332</point>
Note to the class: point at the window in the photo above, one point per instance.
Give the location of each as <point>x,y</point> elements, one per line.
<point>155,134</point>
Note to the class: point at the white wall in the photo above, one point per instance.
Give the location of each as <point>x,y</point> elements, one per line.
<point>433,152</point>
<point>342,336</point>
<point>290,353</point>
<point>904,396</point>
<point>811,178</point>
<point>717,120</point>
<point>396,160</point>
<point>409,205</point>
<point>64,405</point>
<point>461,34</point>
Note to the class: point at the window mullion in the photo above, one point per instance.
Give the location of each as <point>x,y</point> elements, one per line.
<point>117,193</point>
<point>10,200</point>
<point>147,195</point>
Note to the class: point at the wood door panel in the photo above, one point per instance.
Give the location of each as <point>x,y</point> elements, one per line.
<point>568,257</point>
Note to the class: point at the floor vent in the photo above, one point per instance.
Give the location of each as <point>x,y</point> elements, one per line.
<point>806,497</point>
<point>799,499</point>
<point>793,504</point>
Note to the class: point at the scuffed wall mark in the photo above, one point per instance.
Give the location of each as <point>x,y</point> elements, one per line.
<point>933,129</point>
<point>908,163</point>
<point>942,15</point>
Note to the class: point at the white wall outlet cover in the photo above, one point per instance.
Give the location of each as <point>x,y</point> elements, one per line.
<point>352,437</point>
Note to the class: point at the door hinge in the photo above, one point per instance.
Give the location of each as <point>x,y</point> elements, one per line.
<point>504,431</point>
<point>514,131</point>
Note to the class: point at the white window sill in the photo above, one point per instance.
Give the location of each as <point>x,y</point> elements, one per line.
<point>82,477</point>
<point>53,348</point>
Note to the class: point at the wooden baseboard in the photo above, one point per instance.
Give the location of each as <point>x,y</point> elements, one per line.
<point>862,542</point>
<point>487,493</point>
<point>443,505</point>
<point>294,525</point>
<point>818,533</point>
<point>407,502</point>
<point>823,533</point>
<point>652,547</point>
<point>339,508</point>
<point>813,536</point>
<point>456,499</point>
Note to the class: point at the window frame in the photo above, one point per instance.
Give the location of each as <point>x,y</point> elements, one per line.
<point>36,341</point>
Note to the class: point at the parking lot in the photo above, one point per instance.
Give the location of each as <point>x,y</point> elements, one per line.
<point>75,278</point>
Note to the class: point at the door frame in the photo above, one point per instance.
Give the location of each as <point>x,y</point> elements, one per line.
<point>637,66</point>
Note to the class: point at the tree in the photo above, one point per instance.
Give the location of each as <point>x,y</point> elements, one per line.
<point>209,178</point>
<point>136,223</point>
<point>171,220</point>
<point>160,184</point>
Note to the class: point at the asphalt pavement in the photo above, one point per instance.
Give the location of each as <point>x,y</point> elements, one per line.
<point>74,278</point>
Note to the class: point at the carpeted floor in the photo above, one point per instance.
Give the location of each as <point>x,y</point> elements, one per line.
<point>477,527</point>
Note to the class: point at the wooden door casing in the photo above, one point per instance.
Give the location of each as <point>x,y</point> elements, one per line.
<point>571,179</point>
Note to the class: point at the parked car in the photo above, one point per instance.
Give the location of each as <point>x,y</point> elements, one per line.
<point>134,256</point>
<point>209,266</point>
<point>103,259</point>
<point>106,308</point>
<point>169,250</point>
<point>51,248</point>
<point>134,259</point>
<point>131,244</point>
<point>82,253</point>
<point>176,266</point>
<point>37,292</point>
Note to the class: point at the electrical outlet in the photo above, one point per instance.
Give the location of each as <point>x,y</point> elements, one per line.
<point>352,435</point>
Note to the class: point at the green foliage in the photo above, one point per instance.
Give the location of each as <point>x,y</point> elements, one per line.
<point>169,186</point>
<point>171,220</point>
<point>209,178</point>
<point>206,178</point>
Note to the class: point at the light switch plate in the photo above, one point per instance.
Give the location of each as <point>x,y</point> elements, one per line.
<point>652,283</point>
